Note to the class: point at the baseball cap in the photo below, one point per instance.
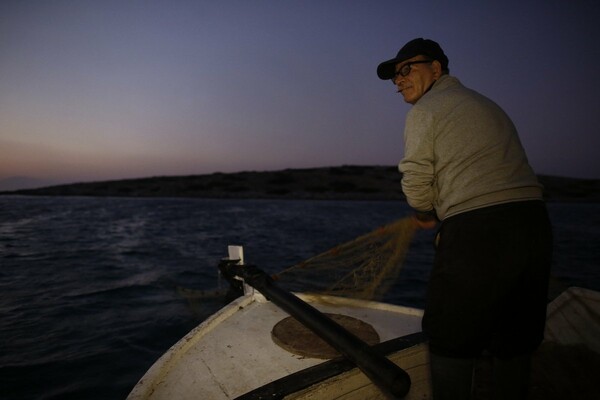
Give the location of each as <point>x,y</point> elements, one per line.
<point>415,47</point>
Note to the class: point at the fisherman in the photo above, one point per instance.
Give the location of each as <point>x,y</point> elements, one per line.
<point>464,165</point>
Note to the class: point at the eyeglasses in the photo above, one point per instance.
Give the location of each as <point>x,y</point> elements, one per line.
<point>405,69</point>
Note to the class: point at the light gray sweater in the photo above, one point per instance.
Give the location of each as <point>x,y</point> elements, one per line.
<point>462,152</point>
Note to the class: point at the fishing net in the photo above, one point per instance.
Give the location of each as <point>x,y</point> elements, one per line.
<point>363,268</point>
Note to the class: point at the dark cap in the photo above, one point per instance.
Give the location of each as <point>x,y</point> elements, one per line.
<point>415,47</point>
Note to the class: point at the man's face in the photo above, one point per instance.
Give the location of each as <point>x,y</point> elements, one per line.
<point>419,77</point>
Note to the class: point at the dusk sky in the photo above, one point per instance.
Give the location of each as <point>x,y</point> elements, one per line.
<point>98,90</point>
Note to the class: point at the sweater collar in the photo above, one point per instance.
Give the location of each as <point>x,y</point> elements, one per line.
<point>441,83</point>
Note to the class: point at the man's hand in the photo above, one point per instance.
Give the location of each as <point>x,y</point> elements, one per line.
<point>425,220</point>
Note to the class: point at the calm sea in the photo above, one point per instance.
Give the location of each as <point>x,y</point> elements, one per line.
<point>88,286</point>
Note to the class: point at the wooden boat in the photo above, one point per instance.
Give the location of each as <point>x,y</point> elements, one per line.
<point>573,319</point>
<point>244,352</point>
<point>232,353</point>
<point>567,364</point>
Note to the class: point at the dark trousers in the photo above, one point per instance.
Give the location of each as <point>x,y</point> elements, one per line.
<point>488,287</point>
<point>452,378</point>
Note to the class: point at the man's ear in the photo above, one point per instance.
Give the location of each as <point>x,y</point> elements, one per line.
<point>437,69</point>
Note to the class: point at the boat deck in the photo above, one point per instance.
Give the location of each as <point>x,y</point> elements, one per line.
<point>232,352</point>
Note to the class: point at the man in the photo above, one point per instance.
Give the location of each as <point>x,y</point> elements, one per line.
<point>464,165</point>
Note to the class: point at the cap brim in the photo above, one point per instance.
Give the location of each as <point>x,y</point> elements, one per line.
<point>387,69</point>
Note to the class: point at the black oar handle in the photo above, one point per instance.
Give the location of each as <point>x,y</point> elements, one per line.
<point>385,374</point>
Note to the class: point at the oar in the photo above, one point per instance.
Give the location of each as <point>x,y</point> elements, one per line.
<point>389,377</point>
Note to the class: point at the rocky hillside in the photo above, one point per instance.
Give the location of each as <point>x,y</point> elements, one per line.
<point>345,182</point>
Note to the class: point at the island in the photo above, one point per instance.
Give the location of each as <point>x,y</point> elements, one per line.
<point>347,182</point>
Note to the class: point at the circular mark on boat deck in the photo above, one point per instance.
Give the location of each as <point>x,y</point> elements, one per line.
<point>298,339</point>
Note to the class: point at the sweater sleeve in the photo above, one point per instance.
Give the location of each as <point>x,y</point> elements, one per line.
<point>417,165</point>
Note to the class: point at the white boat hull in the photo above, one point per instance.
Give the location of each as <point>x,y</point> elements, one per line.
<point>231,355</point>
<point>232,352</point>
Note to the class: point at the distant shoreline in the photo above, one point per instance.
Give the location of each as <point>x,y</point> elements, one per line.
<point>347,182</point>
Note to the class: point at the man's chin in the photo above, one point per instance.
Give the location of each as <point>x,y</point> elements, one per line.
<point>405,95</point>
<point>409,100</point>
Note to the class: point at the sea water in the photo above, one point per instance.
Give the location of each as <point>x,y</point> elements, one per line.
<point>89,293</point>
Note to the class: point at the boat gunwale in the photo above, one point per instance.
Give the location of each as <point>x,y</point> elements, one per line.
<point>161,367</point>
